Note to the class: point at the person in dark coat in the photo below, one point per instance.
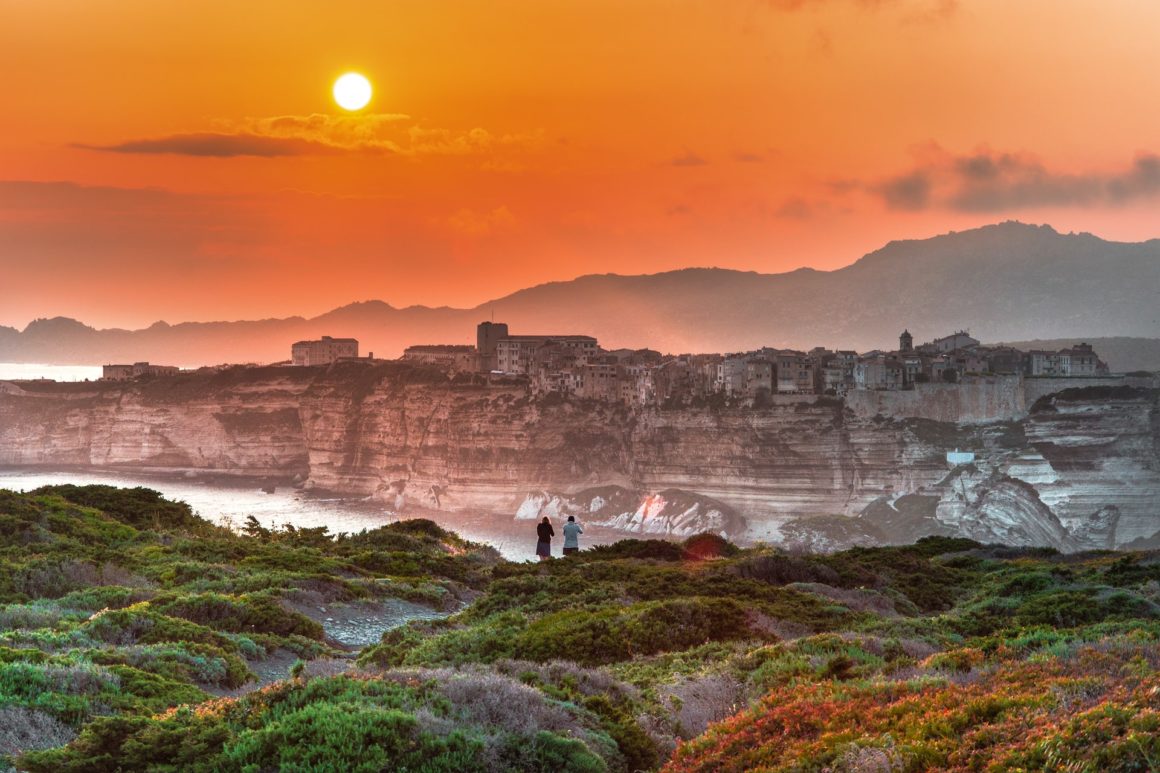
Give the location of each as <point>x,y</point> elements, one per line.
<point>545,532</point>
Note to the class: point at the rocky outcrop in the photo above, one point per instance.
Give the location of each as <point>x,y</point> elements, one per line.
<point>1093,449</point>
<point>1000,509</point>
<point>1082,470</point>
<point>672,512</point>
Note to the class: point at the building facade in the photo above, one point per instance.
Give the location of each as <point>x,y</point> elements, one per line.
<point>517,354</point>
<point>487,338</point>
<point>454,357</point>
<point>959,340</point>
<point>136,370</point>
<point>324,351</point>
<point>794,373</point>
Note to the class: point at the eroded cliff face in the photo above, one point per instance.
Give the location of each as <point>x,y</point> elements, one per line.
<point>1080,471</point>
<point>235,422</point>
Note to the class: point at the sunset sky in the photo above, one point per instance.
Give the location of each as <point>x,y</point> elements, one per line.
<point>185,161</point>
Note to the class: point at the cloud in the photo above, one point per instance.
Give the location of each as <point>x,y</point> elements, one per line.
<point>910,191</point>
<point>444,142</point>
<point>989,182</point>
<point>382,132</point>
<point>748,158</point>
<point>320,134</point>
<point>689,158</point>
<point>474,223</point>
<point>215,145</point>
<point>1142,180</point>
<point>795,209</point>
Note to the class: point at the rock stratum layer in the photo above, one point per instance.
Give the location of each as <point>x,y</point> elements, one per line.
<point>1080,469</point>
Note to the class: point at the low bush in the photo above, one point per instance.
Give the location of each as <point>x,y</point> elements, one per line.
<point>250,613</point>
<point>940,655</point>
<point>621,633</point>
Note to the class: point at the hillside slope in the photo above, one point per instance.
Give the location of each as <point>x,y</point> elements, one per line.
<point>122,613</point>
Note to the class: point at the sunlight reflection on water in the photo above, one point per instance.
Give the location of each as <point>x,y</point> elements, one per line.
<point>231,503</point>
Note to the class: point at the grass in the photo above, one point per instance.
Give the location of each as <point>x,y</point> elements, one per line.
<point>120,612</point>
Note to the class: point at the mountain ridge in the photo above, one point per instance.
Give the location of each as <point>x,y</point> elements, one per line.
<point>1006,281</point>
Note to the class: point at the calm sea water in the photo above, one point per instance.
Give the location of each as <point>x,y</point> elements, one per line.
<point>231,504</point>
<point>26,370</point>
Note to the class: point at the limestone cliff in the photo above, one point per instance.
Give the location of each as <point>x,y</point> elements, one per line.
<point>1081,470</point>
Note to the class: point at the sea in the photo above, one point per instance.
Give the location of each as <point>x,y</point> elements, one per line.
<point>15,371</point>
<point>230,503</point>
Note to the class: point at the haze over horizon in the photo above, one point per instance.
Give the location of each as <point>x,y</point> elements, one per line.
<point>490,302</point>
<point>510,145</point>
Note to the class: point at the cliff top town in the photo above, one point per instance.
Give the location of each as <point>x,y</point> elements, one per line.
<point>575,365</point>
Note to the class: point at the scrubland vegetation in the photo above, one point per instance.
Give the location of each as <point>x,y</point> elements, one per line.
<point>131,633</point>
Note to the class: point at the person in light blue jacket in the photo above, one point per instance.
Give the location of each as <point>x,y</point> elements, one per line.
<point>572,532</point>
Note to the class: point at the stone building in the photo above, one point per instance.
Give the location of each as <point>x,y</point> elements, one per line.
<point>454,357</point>
<point>1078,360</point>
<point>487,338</point>
<point>517,354</point>
<point>730,376</point>
<point>601,381</point>
<point>880,372</point>
<point>959,340</point>
<point>324,351</point>
<point>905,342</point>
<point>758,378</point>
<point>1005,359</point>
<point>794,373</point>
<point>136,370</point>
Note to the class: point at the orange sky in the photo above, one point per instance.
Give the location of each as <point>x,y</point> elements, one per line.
<point>185,161</point>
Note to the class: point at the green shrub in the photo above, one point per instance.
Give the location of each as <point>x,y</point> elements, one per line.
<point>567,755</point>
<point>237,614</point>
<point>140,507</point>
<point>349,737</point>
<point>620,633</point>
<point>704,546</point>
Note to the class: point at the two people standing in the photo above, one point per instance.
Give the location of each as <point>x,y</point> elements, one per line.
<point>545,532</point>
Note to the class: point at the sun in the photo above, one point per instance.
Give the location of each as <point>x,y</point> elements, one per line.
<point>352,91</point>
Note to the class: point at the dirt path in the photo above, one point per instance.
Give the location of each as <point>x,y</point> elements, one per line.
<point>361,624</point>
<point>348,627</point>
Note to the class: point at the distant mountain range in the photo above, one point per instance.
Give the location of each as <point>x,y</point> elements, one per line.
<point>1009,282</point>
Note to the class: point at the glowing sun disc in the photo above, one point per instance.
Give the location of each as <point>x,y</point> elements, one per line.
<point>352,91</point>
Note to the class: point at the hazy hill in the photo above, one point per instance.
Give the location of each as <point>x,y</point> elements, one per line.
<point>1003,282</point>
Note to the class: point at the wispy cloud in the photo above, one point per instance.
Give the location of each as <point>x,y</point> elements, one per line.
<point>689,158</point>
<point>795,208</point>
<point>217,145</point>
<point>988,181</point>
<point>355,133</point>
<point>320,134</point>
<point>472,222</point>
<point>910,191</point>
